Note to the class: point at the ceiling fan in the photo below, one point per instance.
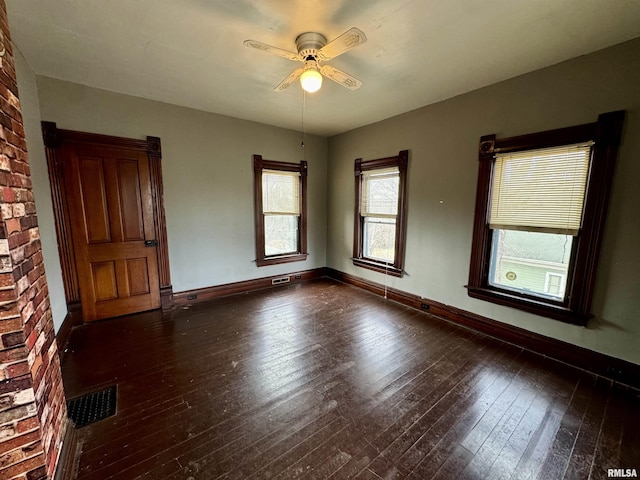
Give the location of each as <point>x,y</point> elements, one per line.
<point>312,49</point>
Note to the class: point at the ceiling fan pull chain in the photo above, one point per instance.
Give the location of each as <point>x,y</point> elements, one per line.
<point>304,106</point>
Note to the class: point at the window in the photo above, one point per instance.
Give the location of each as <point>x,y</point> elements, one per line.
<point>280,211</point>
<point>540,210</point>
<point>380,214</point>
<point>554,284</point>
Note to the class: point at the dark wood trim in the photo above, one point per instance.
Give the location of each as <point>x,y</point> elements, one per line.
<point>599,363</point>
<point>55,136</point>
<point>479,265</point>
<point>71,320</point>
<point>259,164</point>
<point>154,154</point>
<point>208,293</point>
<point>377,267</point>
<point>52,143</point>
<point>397,268</point>
<point>546,139</point>
<point>606,133</point>
<point>55,140</point>
<point>166,298</point>
<point>607,137</point>
<point>67,467</point>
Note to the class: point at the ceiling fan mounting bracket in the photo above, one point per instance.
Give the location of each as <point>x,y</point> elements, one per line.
<point>309,43</point>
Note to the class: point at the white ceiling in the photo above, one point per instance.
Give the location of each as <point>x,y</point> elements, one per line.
<point>190,52</point>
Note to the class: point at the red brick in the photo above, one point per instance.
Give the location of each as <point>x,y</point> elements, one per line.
<point>10,325</point>
<point>8,296</point>
<point>24,467</point>
<point>13,225</point>
<point>17,369</point>
<point>39,473</point>
<point>12,339</point>
<point>19,440</point>
<point>9,311</point>
<point>13,354</point>
<point>6,279</point>
<point>8,195</point>
<point>28,424</point>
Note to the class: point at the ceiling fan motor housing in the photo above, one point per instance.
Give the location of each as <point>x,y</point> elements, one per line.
<point>309,43</point>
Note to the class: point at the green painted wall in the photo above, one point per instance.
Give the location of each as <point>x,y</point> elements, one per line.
<point>443,165</point>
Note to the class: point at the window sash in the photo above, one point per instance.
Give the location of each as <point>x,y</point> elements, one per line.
<point>380,192</point>
<point>280,192</point>
<point>540,190</point>
<point>373,246</point>
<point>278,242</point>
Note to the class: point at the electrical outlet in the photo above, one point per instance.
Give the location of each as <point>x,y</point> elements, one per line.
<point>424,306</point>
<point>298,277</point>
<point>192,297</point>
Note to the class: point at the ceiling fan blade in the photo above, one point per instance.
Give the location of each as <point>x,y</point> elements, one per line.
<point>286,83</point>
<point>340,77</point>
<point>270,49</point>
<point>349,39</point>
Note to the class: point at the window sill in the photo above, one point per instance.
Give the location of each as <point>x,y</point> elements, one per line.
<point>541,308</point>
<point>378,267</point>
<point>297,257</point>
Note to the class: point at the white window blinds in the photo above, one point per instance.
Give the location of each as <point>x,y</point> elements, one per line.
<point>540,190</point>
<point>380,189</point>
<point>280,192</point>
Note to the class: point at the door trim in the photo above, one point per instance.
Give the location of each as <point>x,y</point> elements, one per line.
<point>53,138</point>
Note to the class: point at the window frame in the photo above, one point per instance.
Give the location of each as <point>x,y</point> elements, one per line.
<point>259,165</point>
<point>396,268</point>
<point>580,280</point>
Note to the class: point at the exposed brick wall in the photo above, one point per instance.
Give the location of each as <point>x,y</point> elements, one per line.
<point>32,403</point>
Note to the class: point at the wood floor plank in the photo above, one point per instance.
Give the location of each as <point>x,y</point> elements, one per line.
<point>323,380</point>
<point>584,449</point>
<point>560,452</point>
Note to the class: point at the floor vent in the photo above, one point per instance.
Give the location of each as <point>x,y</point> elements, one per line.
<point>93,407</point>
<point>278,281</point>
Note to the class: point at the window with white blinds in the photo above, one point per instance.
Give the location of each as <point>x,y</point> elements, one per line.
<point>280,192</point>
<point>539,217</point>
<point>280,211</point>
<point>540,190</point>
<point>381,214</point>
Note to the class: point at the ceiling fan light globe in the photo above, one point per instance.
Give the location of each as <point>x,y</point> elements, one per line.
<point>311,80</point>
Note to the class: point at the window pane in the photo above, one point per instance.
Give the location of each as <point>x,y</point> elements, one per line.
<point>530,262</point>
<point>379,240</point>
<point>280,234</point>
<point>280,192</point>
<point>380,192</point>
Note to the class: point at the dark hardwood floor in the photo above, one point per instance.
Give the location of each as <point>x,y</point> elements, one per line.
<point>323,380</point>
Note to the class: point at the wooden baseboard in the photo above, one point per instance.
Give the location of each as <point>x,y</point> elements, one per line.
<point>67,468</point>
<point>604,365</point>
<point>209,293</point>
<point>166,298</point>
<point>72,319</point>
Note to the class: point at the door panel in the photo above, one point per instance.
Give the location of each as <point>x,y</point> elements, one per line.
<point>130,201</point>
<point>104,280</point>
<point>111,217</point>
<point>137,269</point>
<point>94,199</point>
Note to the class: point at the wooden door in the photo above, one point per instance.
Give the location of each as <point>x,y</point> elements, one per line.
<point>111,214</point>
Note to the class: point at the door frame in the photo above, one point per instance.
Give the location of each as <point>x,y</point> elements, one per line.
<point>53,138</point>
